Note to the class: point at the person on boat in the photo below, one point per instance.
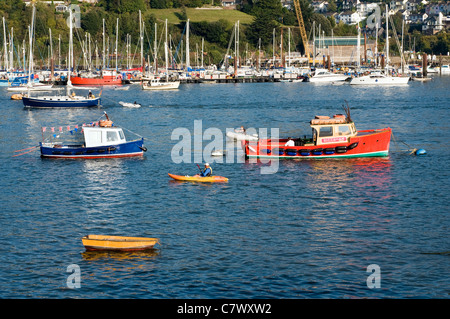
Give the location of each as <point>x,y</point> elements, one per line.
<point>290,142</point>
<point>90,94</point>
<point>207,171</point>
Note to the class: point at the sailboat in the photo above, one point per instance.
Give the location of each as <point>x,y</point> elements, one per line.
<point>378,77</point>
<point>69,100</point>
<point>31,84</point>
<point>106,77</point>
<point>156,83</point>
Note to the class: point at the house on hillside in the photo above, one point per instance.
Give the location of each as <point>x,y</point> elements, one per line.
<point>433,24</point>
<point>417,18</point>
<point>436,8</point>
<point>346,4</point>
<point>320,6</point>
<point>348,17</point>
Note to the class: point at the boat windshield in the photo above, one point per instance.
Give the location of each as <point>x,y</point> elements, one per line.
<point>326,131</point>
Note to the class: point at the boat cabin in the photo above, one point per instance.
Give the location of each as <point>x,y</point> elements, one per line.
<point>103,136</point>
<point>328,130</point>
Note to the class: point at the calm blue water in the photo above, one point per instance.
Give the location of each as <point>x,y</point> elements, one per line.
<point>308,231</point>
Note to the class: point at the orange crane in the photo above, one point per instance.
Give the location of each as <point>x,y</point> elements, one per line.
<point>301,24</point>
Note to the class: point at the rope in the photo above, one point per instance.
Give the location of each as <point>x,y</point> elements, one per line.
<point>412,149</point>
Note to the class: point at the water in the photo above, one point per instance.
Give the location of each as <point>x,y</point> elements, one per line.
<point>308,231</point>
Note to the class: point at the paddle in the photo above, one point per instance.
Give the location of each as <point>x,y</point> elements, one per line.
<point>199,168</point>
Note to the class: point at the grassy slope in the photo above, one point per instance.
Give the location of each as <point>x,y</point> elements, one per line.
<point>197,15</point>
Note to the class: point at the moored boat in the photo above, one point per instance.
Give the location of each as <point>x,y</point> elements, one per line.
<point>240,135</point>
<point>95,140</point>
<point>335,137</point>
<point>198,178</point>
<point>157,84</point>
<point>108,77</point>
<point>56,101</point>
<point>118,243</point>
<point>323,76</point>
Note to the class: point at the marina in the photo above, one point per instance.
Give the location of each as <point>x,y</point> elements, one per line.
<point>232,240</point>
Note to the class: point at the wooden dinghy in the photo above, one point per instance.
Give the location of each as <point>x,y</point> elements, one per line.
<point>118,243</point>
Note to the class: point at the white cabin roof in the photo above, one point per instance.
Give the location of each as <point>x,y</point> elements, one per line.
<point>103,136</point>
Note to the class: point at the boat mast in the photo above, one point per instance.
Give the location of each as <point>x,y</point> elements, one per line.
<point>387,40</point>
<point>4,45</point>
<point>117,39</point>
<point>103,52</point>
<point>69,82</point>
<point>31,45</point>
<point>188,63</point>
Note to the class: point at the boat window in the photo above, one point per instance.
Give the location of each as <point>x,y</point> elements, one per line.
<point>111,136</point>
<point>344,130</point>
<point>326,131</point>
<point>122,137</point>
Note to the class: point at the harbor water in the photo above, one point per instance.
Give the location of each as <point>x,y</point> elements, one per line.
<point>348,228</point>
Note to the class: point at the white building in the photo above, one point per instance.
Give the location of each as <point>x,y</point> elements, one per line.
<point>348,17</point>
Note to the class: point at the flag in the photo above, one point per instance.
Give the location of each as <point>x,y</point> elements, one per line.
<point>44,129</point>
<point>60,128</point>
<point>68,128</point>
<point>53,129</point>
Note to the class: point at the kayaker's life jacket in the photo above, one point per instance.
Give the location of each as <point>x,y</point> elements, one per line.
<point>206,172</point>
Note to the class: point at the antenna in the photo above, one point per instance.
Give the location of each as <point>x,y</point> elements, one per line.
<point>347,111</point>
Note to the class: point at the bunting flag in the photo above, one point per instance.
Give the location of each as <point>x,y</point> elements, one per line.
<point>60,128</point>
<point>68,128</point>
<point>44,129</point>
<point>53,129</point>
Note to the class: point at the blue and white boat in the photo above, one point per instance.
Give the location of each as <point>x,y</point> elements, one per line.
<point>100,139</point>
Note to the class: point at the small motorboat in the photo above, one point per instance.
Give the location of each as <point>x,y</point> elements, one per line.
<point>241,135</point>
<point>198,178</point>
<point>127,104</point>
<point>100,139</point>
<point>118,243</point>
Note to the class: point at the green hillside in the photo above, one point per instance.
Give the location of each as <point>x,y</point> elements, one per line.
<point>174,16</point>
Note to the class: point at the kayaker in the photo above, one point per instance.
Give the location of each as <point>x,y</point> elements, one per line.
<point>207,171</point>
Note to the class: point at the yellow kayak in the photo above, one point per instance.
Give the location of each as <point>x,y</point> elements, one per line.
<point>198,178</point>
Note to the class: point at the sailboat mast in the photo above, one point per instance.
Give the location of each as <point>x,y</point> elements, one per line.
<point>188,63</point>
<point>117,39</point>
<point>31,45</point>
<point>387,40</point>
<point>103,52</point>
<point>69,82</point>
<point>4,45</point>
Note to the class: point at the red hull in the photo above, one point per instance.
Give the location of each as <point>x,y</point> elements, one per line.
<point>107,80</point>
<point>364,144</point>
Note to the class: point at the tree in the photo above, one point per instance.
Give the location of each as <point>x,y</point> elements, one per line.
<point>268,15</point>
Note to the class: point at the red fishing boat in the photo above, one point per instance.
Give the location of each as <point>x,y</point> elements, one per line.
<point>108,77</point>
<point>334,137</point>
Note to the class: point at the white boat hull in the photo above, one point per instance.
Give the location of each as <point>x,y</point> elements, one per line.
<point>241,136</point>
<point>161,85</point>
<point>379,80</point>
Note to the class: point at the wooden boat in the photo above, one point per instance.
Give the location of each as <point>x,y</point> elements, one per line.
<point>198,178</point>
<point>335,137</point>
<point>118,243</point>
<point>94,140</point>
